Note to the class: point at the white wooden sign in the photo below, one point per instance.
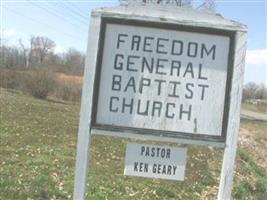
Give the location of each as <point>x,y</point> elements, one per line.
<point>154,161</point>
<point>164,74</point>
<point>164,80</point>
<point>170,81</point>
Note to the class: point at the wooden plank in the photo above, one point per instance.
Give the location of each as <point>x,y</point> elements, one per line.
<point>155,138</point>
<point>175,15</point>
<point>83,145</point>
<point>227,172</point>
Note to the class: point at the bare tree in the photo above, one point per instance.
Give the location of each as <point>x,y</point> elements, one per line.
<point>254,91</point>
<point>261,92</point>
<point>10,57</point>
<point>207,5</point>
<point>251,87</point>
<point>39,48</point>
<point>74,61</point>
<point>24,51</point>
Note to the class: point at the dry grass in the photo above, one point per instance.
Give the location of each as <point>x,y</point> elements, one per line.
<point>69,87</point>
<point>255,108</point>
<point>77,80</point>
<point>43,83</point>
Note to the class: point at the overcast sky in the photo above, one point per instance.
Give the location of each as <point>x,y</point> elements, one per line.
<point>66,22</point>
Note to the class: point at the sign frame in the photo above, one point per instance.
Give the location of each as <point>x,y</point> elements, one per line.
<point>166,26</point>
<point>182,18</point>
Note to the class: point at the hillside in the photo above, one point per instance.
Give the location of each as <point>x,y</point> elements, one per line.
<point>37,157</point>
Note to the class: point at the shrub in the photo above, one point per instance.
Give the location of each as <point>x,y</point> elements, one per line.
<point>40,84</point>
<point>11,79</point>
<point>68,91</point>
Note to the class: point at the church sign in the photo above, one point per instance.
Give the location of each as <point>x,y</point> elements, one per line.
<point>162,79</point>
<point>154,161</point>
<point>167,74</point>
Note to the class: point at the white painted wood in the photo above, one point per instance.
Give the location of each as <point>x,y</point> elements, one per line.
<point>190,101</point>
<point>83,145</point>
<point>176,15</point>
<point>154,161</point>
<point>160,14</point>
<point>146,137</point>
<point>227,172</point>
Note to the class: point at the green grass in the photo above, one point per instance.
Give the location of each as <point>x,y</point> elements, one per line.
<point>37,158</point>
<point>107,180</point>
<point>257,188</point>
<point>37,147</point>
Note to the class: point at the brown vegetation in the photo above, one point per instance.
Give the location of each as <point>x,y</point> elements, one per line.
<point>35,69</point>
<point>252,91</point>
<point>42,83</point>
<point>39,54</point>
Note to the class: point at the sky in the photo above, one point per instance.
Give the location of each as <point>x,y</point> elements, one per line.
<point>67,22</point>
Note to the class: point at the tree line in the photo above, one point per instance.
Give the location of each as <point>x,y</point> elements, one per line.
<point>40,53</point>
<point>253,91</point>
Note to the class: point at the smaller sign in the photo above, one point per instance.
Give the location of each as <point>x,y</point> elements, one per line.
<point>155,161</point>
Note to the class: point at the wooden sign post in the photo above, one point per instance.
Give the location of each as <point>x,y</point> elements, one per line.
<point>162,74</point>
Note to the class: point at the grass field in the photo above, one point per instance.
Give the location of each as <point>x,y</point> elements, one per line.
<point>255,108</point>
<point>37,157</point>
